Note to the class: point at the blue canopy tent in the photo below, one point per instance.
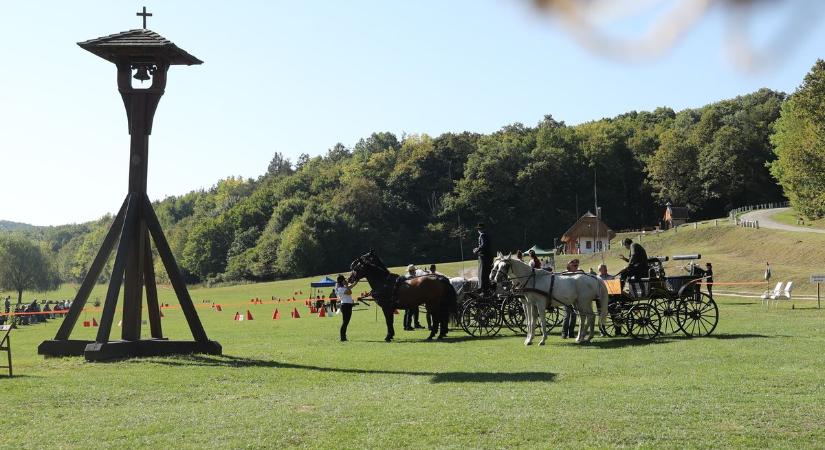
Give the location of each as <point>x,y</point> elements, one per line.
<point>322,283</point>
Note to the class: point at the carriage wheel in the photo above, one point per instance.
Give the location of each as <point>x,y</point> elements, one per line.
<point>480,319</point>
<point>668,311</point>
<point>553,316</point>
<point>645,321</point>
<point>615,323</point>
<point>512,314</point>
<point>698,315</point>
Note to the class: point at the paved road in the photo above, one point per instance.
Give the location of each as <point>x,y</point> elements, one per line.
<point>765,221</point>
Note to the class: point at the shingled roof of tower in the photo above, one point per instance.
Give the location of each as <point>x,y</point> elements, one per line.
<point>135,45</point>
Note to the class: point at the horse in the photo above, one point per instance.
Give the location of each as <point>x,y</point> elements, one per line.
<point>572,289</point>
<point>392,291</point>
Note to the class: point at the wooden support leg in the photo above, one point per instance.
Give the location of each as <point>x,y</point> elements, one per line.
<point>151,291</point>
<point>174,273</point>
<point>91,276</point>
<point>133,276</point>
<point>108,315</point>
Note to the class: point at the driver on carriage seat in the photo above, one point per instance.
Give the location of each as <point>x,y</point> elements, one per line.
<point>637,265</point>
<point>484,252</point>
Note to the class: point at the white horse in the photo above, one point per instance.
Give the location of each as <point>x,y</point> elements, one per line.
<point>571,289</point>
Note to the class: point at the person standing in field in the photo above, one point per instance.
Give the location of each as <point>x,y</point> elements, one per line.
<point>709,279</point>
<point>344,293</point>
<point>568,325</point>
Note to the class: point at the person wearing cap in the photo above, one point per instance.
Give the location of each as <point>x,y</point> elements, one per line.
<point>411,314</point>
<point>568,325</point>
<point>484,251</point>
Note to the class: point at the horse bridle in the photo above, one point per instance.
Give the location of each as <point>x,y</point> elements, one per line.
<point>507,266</point>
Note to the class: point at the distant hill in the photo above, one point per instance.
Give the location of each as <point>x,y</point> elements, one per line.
<point>6,225</point>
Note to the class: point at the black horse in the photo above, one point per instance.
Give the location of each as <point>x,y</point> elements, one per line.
<point>392,291</point>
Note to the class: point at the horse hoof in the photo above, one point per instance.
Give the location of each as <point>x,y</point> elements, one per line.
<point>429,338</point>
<point>387,339</point>
<point>441,338</point>
<point>528,343</point>
<point>541,343</point>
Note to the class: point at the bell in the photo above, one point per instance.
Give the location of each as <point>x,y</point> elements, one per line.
<point>142,73</point>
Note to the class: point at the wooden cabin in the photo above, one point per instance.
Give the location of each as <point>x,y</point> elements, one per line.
<point>587,235</point>
<point>675,216</point>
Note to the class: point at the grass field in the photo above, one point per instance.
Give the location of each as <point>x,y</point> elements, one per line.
<point>755,383</point>
<point>790,217</point>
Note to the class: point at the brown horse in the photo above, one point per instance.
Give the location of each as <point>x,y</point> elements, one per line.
<point>393,292</point>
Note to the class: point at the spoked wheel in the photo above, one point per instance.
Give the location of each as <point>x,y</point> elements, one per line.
<point>645,321</point>
<point>615,323</point>
<point>553,316</point>
<point>698,315</point>
<point>512,313</point>
<point>668,310</point>
<point>480,319</point>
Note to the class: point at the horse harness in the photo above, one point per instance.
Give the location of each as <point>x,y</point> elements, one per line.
<point>532,276</point>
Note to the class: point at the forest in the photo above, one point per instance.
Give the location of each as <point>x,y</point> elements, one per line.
<point>417,198</point>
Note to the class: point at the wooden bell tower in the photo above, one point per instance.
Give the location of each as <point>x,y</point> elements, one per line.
<point>143,56</point>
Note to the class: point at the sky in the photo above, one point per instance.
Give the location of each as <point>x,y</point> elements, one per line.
<point>299,76</point>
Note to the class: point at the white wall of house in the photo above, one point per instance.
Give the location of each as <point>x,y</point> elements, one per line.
<point>592,245</point>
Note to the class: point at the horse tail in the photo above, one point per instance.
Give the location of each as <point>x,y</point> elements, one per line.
<point>451,305</point>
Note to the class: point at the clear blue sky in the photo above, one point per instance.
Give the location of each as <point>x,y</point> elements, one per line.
<point>299,76</point>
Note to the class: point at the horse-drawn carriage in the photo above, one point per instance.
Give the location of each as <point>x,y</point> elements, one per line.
<point>661,304</point>
<point>644,309</point>
<point>485,314</point>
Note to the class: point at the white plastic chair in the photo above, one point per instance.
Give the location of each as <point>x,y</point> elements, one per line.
<point>785,294</point>
<point>769,295</point>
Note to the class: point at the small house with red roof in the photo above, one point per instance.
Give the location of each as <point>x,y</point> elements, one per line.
<point>587,235</point>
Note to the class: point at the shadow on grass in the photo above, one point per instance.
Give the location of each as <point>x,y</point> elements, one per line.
<point>630,342</point>
<point>436,377</point>
<point>449,339</point>
<point>730,336</point>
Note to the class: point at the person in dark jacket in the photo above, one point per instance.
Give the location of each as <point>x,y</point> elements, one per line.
<point>709,279</point>
<point>637,265</point>
<point>484,251</point>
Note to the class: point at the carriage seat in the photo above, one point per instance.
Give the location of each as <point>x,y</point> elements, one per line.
<point>614,287</point>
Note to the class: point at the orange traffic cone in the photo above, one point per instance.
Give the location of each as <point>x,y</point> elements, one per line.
<point>295,314</point>
<point>276,315</point>
<point>323,312</point>
<point>218,307</point>
<point>248,315</point>
<point>87,324</point>
<point>238,316</point>
<point>94,322</point>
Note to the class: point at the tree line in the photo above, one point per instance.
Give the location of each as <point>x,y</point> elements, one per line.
<point>417,198</point>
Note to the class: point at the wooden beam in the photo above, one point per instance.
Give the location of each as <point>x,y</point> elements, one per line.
<point>133,276</point>
<point>92,275</point>
<point>108,315</point>
<point>172,269</point>
<point>151,291</point>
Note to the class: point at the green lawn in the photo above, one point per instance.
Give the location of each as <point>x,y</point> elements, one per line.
<point>755,383</point>
<point>790,217</point>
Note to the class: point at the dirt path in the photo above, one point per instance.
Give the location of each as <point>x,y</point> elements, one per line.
<point>765,221</point>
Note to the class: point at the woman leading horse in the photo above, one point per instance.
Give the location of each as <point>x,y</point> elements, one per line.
<point>392,291</point>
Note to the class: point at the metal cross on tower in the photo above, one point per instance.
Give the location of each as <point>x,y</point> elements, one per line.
<point>145,15</point>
